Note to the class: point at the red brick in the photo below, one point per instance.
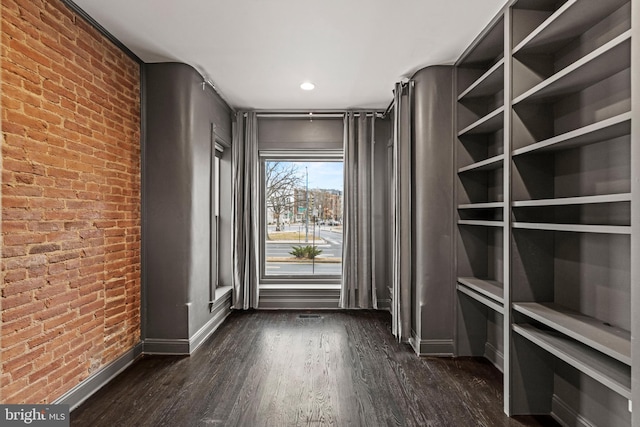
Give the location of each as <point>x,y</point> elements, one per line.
<point>71,199</point>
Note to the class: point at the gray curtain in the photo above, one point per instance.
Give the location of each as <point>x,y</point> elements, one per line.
<point>401,199</point>
<point>245,211</point>
<point>358,272</point>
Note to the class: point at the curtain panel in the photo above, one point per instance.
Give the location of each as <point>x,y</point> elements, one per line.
<point>358,272</point>
<point>401,199</point>
<point>245,211</point>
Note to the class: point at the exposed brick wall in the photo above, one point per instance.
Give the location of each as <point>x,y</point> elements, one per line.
<point>70,201</point>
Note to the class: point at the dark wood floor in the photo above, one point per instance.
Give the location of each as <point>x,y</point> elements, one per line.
<point>270,368</point>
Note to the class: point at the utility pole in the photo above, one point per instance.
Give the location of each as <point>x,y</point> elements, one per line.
<point>306,221</point>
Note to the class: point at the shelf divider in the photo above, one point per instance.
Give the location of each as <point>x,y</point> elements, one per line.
<point>481,298</point>
<point>576,228</point>
<point>611,341</point>
<point>569,21</point>
<point>491,163</point>
<point>601,368</point>
<point>564,201</point>
<point>481,223</point>
<point>604,130</point>
<point>487,124</point>
<point>490,288</point>
<point>486,205</point>
<point>603,62</point>
<point>486,84</point>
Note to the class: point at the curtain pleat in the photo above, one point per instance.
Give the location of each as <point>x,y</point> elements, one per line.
<point>358,284</point>
<point>245,211</point>
<point>401,198</point>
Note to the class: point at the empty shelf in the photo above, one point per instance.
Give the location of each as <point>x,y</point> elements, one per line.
<point>491,163</point>
<point>601,368</point>
<point>490,288</point>
<point>611,341</point>
<point>492,122</point>
<point>489,83</point>
<point>486,49</point>
<point>604,130</point>
<point>603,62</point>
<point>571,20</point>
<point>576,228</point>
<point>564,201</point>
<point>481,223</point>
<point>498,307</point>
<point>487,205</point>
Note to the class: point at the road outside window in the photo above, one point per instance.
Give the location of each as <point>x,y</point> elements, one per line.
<point>304,210</point>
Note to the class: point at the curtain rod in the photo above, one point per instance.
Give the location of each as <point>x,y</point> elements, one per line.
<point>313,114</point>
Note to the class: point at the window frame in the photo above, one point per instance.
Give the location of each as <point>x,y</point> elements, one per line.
<point>303,155</point>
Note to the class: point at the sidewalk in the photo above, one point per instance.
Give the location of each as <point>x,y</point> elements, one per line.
<point>319,260</point>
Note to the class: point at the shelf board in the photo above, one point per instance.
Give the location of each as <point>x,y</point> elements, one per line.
<point>571,20</point>
<point>489,83</point>
<point>481,298</point>
<point>564,201</point>
<point>487,205</point>
<point>575,228</point>
<point>481,223</point>
<point>603,130</point>
<point>490,288</point>
<point>492,122</point>
<point>611,341</point>
<point>491,163</point>
<point>601,368</point>
<point>603,62</point>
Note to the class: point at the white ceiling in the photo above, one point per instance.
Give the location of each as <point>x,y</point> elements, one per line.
<point>257,52</point>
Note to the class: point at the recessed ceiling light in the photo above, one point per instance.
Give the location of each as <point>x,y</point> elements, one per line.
<point>307,86</point>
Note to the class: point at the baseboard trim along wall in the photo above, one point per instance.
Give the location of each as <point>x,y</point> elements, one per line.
<point>442,348</point>
<point>494,356</point>
<point>89,386</point>
<point>566,415</point>
<point>220,309</point>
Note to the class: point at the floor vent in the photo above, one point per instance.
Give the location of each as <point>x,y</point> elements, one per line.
<point>309,316</point>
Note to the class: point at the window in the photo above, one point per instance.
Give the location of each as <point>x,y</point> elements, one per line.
<point>302,218</point>
<point>215,217</point>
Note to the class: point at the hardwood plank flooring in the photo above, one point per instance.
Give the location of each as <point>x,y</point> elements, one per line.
<point>291,368</point>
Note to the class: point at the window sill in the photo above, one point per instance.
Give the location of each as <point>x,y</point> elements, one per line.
<point>301,286</point>
<point>222,291</point>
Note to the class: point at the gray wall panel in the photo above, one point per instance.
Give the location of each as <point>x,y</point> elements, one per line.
<point>432,202</point>
<point>180,114</point>
<point>296,133</point>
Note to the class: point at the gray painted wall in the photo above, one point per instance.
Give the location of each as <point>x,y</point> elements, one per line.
<point>177,178</point>
<point>432,204</point>
<point>300,133</point>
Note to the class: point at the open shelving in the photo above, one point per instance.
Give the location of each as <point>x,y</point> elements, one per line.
<point>570,208</point>
<point>613,342</point>
<point>480,157</point>
<point>612,374</point>
<point>545,205</point>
